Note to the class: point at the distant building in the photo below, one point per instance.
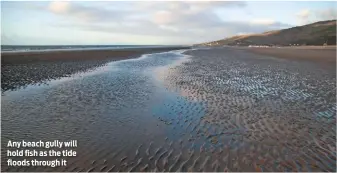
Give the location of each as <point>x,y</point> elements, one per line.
<point>258,46</point>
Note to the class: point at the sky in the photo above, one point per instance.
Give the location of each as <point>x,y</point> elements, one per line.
<point>150,22</point>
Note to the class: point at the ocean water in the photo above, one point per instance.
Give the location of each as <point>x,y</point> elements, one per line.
<point>38,48</point>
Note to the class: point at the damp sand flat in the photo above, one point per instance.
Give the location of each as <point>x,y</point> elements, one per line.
<point>18,69</point>
<point>318,54</point>
<point>270,114</point>
<point>214,110</point>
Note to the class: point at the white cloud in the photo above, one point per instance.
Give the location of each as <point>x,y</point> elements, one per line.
<point>189,22</point>
<point>263,21</point>
<point>165,27</point>
<point>307,16</point>
<point>163,17</point>
<point>304,14</point>
<point>59,6</point>
<point>244,33</point>
<point>327,14</point>
<point>176,22</point>
<point>86,13</point>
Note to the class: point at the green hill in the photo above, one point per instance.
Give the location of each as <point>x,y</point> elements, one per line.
<point>312,34</point>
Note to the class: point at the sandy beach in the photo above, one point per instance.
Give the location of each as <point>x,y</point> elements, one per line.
<point>23,68</point>
<point>8,58</point>
<point>183,86</point>
<point>278,110</point>
<point>318,54</point>
<point>219,109</point>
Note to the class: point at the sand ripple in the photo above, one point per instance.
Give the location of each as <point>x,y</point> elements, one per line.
<point>218,110</point>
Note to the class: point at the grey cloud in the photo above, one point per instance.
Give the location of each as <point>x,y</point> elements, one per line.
<point>186,5</point>
<point>194,34</point>
<point>188,21</point>
<point>88,13</point>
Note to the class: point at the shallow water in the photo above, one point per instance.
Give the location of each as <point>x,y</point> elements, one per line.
<point>112,111</point>
<point>209,111</point>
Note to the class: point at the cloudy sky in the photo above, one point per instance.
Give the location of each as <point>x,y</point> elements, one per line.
<point>183,22</point>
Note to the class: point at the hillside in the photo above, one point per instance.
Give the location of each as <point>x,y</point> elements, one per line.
<point>312,34</point>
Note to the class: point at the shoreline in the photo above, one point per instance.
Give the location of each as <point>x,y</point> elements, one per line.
<point>78,55</point>
<point>56,48</point>
<point>24,68</point>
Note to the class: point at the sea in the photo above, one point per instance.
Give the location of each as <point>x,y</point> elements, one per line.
<point>39,48</point>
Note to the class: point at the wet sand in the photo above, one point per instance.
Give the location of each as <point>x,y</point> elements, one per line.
<point>318,54</point>
<point>78,55</point>
<point>23,68</point>
<point>219,109</point>
<point>271,114</point>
